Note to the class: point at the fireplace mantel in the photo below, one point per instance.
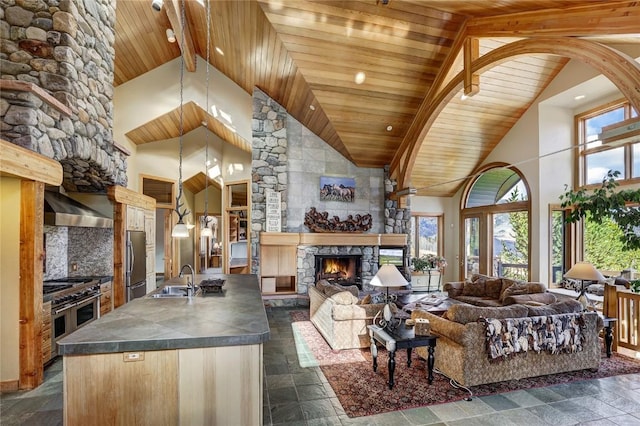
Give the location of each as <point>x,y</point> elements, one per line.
<point>332,239</point>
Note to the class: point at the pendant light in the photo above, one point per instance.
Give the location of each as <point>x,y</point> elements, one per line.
<point>180,230</point>
<point>206,231</point>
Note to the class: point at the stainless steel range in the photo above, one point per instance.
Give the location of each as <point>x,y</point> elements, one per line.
<point>75,302</point>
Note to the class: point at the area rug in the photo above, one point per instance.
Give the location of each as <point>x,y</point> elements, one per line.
<point>363,392</point>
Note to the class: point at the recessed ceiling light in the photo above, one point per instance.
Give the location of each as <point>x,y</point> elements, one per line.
<point>360,77</point>
<point>389,128</point>
<point>219,51</point>
<point>214,111</point>
<point>579,97</point>
<point>312,108</point>
<point>463,97</point>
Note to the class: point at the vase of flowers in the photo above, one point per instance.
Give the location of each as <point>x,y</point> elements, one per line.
<point>427,262</point>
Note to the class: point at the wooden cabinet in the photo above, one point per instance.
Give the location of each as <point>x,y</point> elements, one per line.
<point>199,386</point>
<point>135,219</point>
<point>106,299</point>
<point>46,332</point>
<point>278,263</point>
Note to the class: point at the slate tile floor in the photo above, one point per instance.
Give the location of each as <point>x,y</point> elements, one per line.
<point>301,396</point>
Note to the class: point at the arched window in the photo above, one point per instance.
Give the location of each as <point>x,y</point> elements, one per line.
<point>495,223</point>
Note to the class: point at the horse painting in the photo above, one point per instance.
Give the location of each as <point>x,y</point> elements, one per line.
<point>337,189</point>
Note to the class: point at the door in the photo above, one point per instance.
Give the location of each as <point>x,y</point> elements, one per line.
<point>237,221</point>
<point>473,248</point>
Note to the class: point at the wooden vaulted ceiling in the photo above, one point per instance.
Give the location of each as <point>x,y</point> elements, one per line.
<point>305,55</point>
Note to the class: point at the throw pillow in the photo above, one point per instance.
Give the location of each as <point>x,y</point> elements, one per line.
<point>366,300</point>
<point>515,289</point>
<point>322,285</point>
<point>506,283</point>
<point>493,287</point>
<point>476,288</point>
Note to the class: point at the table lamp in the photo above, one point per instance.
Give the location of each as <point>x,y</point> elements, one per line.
<point>584,271</point>
<point>388,276</point>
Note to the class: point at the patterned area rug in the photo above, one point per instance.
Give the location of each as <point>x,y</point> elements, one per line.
<point>363,392</point>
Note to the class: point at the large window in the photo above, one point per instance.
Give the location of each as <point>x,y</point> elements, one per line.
<point>596,158</point>
<point>495,220</point>
<point>600,243</point>
<point>426,234</point>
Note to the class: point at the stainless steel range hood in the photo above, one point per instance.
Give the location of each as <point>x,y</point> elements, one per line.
<point>60,210</point>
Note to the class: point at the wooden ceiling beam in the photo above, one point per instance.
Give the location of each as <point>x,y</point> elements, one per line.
<point>471,53</point>
<point>622,70</point>
<point>185,40</point>
<point>602,19</point>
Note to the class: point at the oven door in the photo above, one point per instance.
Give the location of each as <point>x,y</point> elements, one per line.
<point>86,311</point>
<point>61,325</point>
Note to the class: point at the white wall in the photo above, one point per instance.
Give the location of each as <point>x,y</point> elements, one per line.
<point>157,92</point>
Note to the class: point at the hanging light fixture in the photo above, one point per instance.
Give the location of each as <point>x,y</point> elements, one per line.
<point>206,231</point>
<point>180,230</point>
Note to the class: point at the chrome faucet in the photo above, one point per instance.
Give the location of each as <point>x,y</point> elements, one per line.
<point>191,286</point>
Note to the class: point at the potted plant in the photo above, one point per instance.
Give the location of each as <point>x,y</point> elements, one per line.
<point>428,262</point>
<point>635,286</point>
<point>607,201</point>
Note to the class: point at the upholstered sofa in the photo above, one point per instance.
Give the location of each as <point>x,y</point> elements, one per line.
<point>340,316</point>
<point>477,345</point>
<point>482,290</point>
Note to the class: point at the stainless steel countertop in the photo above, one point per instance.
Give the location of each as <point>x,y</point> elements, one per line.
<point>234,317</point>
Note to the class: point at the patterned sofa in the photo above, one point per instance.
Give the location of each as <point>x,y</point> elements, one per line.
<point>482,290</point>
<point>478,345</point>
<point>340,316</point>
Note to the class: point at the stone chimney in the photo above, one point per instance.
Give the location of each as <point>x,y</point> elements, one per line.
<point>56,87</point>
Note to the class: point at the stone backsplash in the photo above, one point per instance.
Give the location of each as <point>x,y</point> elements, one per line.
<point>90,249</point>
<point>65,48</point>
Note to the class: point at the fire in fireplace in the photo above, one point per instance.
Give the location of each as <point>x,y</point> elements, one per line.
<point>339,269</point>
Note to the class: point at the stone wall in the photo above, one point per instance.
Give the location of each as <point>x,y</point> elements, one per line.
<point>65,48</point>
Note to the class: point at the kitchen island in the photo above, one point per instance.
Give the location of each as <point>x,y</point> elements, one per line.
<point>174,360</point>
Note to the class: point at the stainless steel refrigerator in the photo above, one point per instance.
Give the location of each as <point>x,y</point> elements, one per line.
<point>136,265</point>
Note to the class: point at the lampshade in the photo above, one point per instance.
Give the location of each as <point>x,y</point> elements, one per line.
<point>388,276</point>
<point>584,271</point>
<point>180,230</point>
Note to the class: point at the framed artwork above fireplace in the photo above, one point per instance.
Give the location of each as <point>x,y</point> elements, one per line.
<point>337,189</point>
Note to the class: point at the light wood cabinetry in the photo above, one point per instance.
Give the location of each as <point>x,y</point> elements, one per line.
<point>206,386</point>
<point>46,332</point>
<point>135,219</point>
<point>278,262</point>
<point>106,299</point>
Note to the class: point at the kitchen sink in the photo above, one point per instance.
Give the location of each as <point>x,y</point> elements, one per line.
<point>171,291</point>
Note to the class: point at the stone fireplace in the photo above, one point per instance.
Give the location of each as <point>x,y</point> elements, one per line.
<point>56,88</point>
<point>339,269</point>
